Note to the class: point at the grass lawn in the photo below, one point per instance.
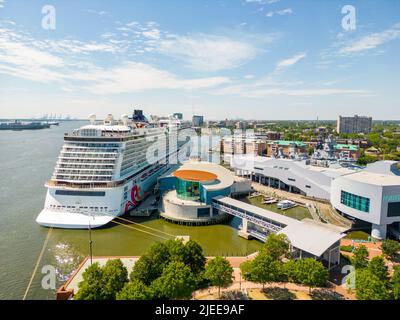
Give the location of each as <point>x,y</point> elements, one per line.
<point>257,294</point>
<point>358,235</point>
<point>298,212</point>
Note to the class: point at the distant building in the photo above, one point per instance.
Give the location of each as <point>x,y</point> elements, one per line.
<point>347,151</point>
<point>242,144</point>
<point>241,125</point>
<point>356,124</point>
<point>286,148</point>
<point>198,121</point>
<point>178,116</point>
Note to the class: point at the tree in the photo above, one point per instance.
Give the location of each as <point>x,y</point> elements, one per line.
<point>115,276</point>
<point>176,282</point>
<point>277,245</point>
<point>151,264</point>
<point>219,272</point>
<point>378,267</point>
<point>91,286</point>
<point>395,282</point>
<point>135,290</point>
<point>194,257</point>
<point>390,248</point>
<point>308,272</point>
<point>102,283</point>
<point>265,269</point>
<point>360,257</point>
<point>370,287</point>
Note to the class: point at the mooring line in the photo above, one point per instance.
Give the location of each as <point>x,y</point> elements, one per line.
<point>132,222</point>
<point>133,228</point>
<point>37,263</point>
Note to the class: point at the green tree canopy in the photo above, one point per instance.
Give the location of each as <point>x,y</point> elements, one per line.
<point>91,288</point>
<point>115,276</point>
<point>370,287</point>
<point>151,264</point>
<point>265,269</point>
<point>360,257</point>
<point>219,272</point>
<point>176,282</point>
<point>135,290</point>
<point>308,272</point>
<point>277,245</point>
<point>378,267</point>
<point>194,257</point>
<point>395,282</point>
<point>390,248</point>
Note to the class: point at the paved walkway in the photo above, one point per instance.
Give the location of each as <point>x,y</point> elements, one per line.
<point>374,250</point>
<point>239,283</point>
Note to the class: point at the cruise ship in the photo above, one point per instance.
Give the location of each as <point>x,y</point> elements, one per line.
<point>106,169</point>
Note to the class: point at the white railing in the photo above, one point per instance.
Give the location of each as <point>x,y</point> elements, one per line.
<point>269,226</point>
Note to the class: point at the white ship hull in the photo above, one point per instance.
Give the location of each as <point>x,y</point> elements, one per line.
<point>72,209</point>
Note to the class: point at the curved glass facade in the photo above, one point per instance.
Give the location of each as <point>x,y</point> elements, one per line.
<point>188,190</point>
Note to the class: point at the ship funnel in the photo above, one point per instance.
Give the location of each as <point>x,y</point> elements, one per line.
<point>92,118</point>
<point>125,119</point>
<point>109,119</point>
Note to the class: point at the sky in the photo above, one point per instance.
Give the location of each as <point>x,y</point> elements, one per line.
<point>236,59</point>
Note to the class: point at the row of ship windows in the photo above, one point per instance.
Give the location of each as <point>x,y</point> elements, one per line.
<point>74,207</point>
<point>81,178</point>
<point>87,161</point>
<point>80,150</point>
<point>87,155</point>
<point>87,167</point>
<point>94,145</point>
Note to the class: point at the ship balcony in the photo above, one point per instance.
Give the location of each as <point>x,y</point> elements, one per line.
<point>64,166</point>
<point>110,162</point>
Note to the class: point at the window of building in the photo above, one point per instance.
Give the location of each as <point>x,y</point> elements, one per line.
<point>355,202</point>
<point>393,209</point>
<point>203,212</point>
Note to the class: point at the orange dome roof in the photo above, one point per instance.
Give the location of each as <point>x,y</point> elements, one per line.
<point>195,175</point>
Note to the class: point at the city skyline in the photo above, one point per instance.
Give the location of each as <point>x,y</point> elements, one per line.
<point>241,59</point>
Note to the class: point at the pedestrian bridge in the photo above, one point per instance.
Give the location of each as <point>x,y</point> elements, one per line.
<point>307,238</point>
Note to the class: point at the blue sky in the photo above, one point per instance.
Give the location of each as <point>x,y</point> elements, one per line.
<point>253,59</point>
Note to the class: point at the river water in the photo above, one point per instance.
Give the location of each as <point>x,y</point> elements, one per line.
<point>27,159</point>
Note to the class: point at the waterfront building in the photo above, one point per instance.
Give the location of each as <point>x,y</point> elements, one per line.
<point>370,195</point>
<point>187,192</point>
<point>198,121</point>
<point>356,124</point>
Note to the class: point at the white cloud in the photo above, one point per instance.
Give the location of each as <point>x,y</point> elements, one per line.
<point>46,61</point>
<point>262,1</point>
<point>372,41</point>
<point>208,52</point>
<point>134,77</point>
<point>282,12</point>
<point>290,61</point>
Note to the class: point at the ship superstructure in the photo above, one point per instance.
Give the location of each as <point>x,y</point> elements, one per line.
<point>105,169</point>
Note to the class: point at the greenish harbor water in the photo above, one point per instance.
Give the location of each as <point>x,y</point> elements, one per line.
<point>27,160</point>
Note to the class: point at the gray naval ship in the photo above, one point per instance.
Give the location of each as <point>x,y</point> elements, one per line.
<point>18,125</point>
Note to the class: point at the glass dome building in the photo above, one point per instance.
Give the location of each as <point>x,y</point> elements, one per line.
<point>187,193</point>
